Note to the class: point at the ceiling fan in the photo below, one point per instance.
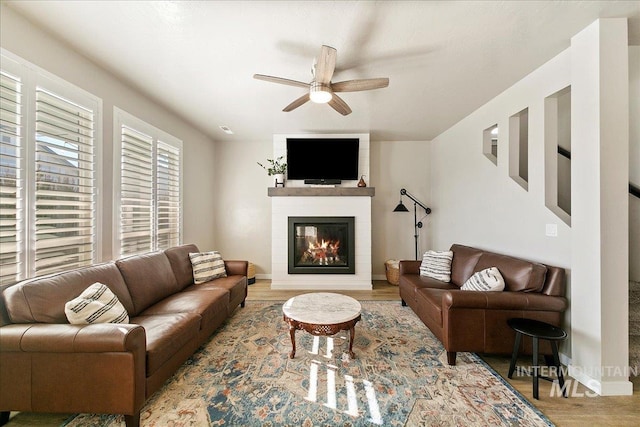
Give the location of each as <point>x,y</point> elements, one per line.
<point>321,90</point>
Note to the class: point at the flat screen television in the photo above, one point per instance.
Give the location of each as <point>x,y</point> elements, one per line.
<point>322,160</point>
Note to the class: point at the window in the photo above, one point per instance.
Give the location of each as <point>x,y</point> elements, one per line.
<point>11,179</point>
<point>149,187</point>
<point>168,195</point>
<point>48,187</point>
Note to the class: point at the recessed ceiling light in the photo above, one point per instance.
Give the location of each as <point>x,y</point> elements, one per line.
<point>226,129</point>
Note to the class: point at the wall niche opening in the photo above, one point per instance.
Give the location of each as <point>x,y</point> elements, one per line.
<point>490,143</point>
<point>519,148</point>
<point>557,150</point>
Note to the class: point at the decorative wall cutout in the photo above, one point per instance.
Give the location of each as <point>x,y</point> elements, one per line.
<point>519,148</point>
<point>490,143</point>
<point>557,153</point>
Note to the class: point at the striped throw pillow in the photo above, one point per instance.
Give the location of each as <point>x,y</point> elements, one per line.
<point>207,266</point>
<point>96,304</point>
<point>488,279</point>
<point>437,265</point>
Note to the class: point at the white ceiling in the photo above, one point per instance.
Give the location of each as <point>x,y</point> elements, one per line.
<point>444,59</point>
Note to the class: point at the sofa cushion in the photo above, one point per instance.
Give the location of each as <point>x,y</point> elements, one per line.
<point>96,304</point>
<point>437,265</point>
<point>488,279</point>
<point>236,286</point>
<point>42,299</point>
<point>464,261</point>
<point>519,275</point>
<point>181,264</point>
<point>205,304</point>
<point>149,278</point>
<point>207,266</point>
<point>166,335</point>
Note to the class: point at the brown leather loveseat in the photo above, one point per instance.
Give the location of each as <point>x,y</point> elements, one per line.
<point>476,321</point>
<point>49,365</point>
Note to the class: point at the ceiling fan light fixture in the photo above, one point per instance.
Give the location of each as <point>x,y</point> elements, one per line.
<point>319,93</point>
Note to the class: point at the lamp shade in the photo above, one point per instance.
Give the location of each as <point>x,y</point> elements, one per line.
<point>320,93</point>
<point>401,208</point>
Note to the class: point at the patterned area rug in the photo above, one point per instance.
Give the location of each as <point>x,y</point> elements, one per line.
<point>243,377</point>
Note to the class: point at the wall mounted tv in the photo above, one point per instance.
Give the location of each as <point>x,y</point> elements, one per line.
<point>322,160</point>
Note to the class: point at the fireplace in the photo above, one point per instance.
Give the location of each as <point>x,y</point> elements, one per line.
<point>321,245</point>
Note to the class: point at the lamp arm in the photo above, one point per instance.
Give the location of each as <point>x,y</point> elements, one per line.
<point>404,192</point>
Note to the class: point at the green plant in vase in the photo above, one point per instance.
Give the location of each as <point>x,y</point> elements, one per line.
<point>276,168</point>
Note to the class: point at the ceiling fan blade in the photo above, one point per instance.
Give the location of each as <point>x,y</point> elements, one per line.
<point>339,105</point>
<point>298,102</point>
<point>326,65</point>
<point>358,85</point>
<point>281,81</point>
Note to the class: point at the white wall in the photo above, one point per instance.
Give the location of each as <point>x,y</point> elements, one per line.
<point>243,212</point>
<point>28,41</point>
<point>477,203</point>
<point>396,165</point>
<point>634,161</point>
<point>600,226</point>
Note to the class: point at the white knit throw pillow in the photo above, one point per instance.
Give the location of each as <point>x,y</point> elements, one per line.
<point>488,279</point>
<point>96,304</point>
<point>437,265</point>
<point>207,266</point>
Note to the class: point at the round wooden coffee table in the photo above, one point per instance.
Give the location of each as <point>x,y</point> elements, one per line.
<point>321,313</point>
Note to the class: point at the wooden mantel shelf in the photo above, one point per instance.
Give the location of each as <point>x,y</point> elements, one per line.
<point>321,191</point>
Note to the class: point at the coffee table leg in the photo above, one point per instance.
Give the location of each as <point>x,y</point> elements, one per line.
<point>292,334</point>
<point>352,334</point>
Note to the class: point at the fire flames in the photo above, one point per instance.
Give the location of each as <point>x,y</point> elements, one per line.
<point>323,253</point>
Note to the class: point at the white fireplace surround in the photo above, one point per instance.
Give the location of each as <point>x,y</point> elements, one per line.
<point>284,207</point>
<point>357,206</point>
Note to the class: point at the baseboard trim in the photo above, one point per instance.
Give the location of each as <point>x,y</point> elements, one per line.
<point>602,388</point>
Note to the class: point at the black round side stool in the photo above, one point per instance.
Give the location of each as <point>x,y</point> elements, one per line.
<point>537,330</point>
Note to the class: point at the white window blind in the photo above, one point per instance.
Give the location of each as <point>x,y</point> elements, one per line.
<point>11,180</point>
<point>64,184</point>
<point>49,143</point>
<point>149,206</point>
<point>136,192</point>
<point>168,195</point>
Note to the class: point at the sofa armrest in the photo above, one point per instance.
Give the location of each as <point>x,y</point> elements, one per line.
<point>66,368</point>
<point>502,301</point>
<point>237,268</point>
<point>65,338</point>
<point>410,267</point>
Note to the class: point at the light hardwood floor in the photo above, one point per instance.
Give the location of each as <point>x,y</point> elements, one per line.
<point>382,291</point>
<point>582,411</point>
<point>573,411</point>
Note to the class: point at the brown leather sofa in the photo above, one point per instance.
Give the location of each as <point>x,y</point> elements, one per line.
<point>49,365</point>
<point>476,321</point>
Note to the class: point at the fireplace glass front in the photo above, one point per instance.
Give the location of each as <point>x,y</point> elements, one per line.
<point>321,245</point>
